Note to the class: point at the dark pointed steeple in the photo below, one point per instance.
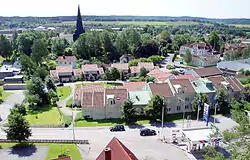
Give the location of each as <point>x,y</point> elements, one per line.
<point>79,26</point>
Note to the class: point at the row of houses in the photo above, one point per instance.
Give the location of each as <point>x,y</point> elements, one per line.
<point>66,70</point>
<point>98,102</point>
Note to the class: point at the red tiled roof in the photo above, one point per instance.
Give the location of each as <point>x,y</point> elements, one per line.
<point>186,76</point>
<point>161,89</point>
<point>89,67</point>
<point>66,59</point>
<point>120,66</point>
<point>236,86</point>
<point>147,65</point>
<point>120,95</point>
<point>134,69</point>
<point>77,72</point>
<point>78,93</point>
<point>159,75</point>
<point>237,82</point>
<point>206,72</point>
<point>216,81</point>
<point>132,86</point>
<point>63,158</point>
<point>183,83</point>
<point>118,151</point>
<point>206,59</point>
<point>93,88</point>
<point>53,73</point>
<point>63,69</point>
<point>87,99</point>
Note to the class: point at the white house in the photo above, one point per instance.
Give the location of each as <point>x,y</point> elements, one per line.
<point>205,61</point>
<point>66,61</point>
<point>197,48</point>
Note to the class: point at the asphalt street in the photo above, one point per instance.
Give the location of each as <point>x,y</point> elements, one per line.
<point>16,97</point>
<point>143,147</point>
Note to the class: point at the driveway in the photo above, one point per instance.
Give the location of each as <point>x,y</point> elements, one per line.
<point>27,153</point>
<point>16,97</point>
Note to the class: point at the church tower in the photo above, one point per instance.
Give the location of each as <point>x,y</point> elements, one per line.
<point>79,26</point>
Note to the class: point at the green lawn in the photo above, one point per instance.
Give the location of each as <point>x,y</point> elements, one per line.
<point>63,92</point>
<point>68,149</point>
<point>44,115</point>
<point>5,94</point>
<point>80,122</point>
<point>54,149</point>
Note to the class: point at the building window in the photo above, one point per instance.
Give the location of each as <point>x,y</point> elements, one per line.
<point>186,106</point>
<point>187,99</point>
<point>65,62</point>
<point>169,109</point>
<point>178,108</point>
<point>111,102</point>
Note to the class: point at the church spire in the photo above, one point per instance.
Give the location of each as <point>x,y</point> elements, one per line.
<point>79,26</point>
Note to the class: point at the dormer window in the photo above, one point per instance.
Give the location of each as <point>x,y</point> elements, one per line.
<point>111,99</point>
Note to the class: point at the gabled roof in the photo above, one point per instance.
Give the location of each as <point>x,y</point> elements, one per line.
<point>161,89</point>
<point>66,59</point>
<point>132,86</point>
<point>146,65</point>
<point>93,88</point>
<point>191,77</point>
<point>216,81</point>
<point>77,72</point>
<point>118,151</point>
<point>78,93</point>
<point>120,66</point>
<point>92,67</point>
<point>206,72</point>
<point>206,59</point>
<point>120,95</point>
<point>185,83</point>
<point>134,69</point>
<point>159,75</point>
<point>235,84</point>
<point>64,69</point>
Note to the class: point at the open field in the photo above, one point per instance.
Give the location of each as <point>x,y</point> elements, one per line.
<point>137,23</point>
<point>241,25</point>
<point>63,92</point>
<point>45,115</point>
<point>54,149</point>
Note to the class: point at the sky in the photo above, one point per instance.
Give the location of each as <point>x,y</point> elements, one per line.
<point>195,8</point>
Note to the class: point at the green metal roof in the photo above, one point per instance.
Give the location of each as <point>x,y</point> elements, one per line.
<point>139,97</point>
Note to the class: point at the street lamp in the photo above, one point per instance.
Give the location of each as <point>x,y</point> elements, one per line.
<point>215,105</point>
<point>162,118</point>
<point>183,110</point>
<point>199,103</point>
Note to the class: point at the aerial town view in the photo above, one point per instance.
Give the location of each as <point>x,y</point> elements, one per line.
<point>125,80</point>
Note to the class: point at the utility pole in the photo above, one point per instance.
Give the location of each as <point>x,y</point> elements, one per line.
<point>199,103</point>
<point>215,106</point>
<point>183,117</point>
<point>73,129</point>
<point>162,118</point>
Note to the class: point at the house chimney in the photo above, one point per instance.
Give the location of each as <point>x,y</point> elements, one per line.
<point>63,56</point>
<point>107,152</point>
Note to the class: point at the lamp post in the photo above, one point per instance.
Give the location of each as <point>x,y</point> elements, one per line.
<point>183,117</point>
<point>162,118</point>
<point>73,129</point>
<point>215,106</point>
<point>199,103</point>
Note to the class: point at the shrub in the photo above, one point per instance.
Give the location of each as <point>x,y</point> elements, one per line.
<point>69,103</point>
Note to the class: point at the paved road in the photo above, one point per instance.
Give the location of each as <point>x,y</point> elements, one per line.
<point>16,97</point>
<point>143,147</point>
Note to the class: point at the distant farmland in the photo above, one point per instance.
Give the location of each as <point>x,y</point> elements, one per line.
<point>241,25</point>
<point>136,23</point>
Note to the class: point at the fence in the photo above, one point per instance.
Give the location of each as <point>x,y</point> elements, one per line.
<point>47,141</point>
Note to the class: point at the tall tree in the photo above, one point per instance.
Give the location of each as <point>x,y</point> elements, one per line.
<point>245,53</point>
<point>35,92</point>
<point>39,50</point>
<point>79,26</point>
<point>115,74</point>
<point>223,102</point>
<point>80,48</point>
<point>154,107</point>
<point>25,41</point>
<point>5,47</point>
<point>58,46</point>
<point>122,44</point>
<point>18,108</point>
<point>128,111</point>
<point>27,64</point>
<point>199,101</point>
<point>214,40</point>
<point>18,127</point>
<point>188,56</point>
<point>143,72</point>
<point>50,83</point>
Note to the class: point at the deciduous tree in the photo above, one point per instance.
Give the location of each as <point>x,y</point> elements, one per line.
<point>143,72</point>
<point>39,50</point>
<point>188,56</point>
<point>128,111</point>
<point>18,127</point>
<point>154,108</point>
<point>5,47</point>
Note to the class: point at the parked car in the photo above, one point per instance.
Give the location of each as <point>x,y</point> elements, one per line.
<point>117,128</point>
<point>147,132</point>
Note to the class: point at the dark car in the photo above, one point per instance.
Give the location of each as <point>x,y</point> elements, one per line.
<point>117,128</point>
<point>147,132</point>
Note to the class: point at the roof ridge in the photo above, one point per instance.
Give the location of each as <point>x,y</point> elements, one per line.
<point>122,146</point>
<point>235,84</point>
